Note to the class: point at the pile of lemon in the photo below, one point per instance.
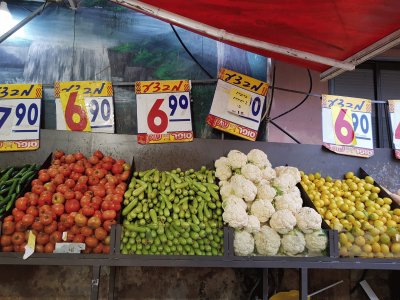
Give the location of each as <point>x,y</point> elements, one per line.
<point>367,225</point>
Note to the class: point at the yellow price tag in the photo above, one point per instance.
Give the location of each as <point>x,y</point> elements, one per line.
<point>31,240</point>
<point>343,126</point>
<point>74,108</point>
<point>239,102</point>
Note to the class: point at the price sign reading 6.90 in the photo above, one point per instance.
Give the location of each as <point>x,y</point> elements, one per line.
<point>163,111</point>
<point>85,106</point>
<point>347,125</point>
<point>20,106</point>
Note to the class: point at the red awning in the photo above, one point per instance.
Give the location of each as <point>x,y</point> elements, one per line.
<point>333,29</point>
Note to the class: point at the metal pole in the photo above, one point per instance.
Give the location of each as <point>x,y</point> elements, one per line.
<point>303,284</point>
<point>94,295</point>
<point>37,12</point>
<point>265,285</point>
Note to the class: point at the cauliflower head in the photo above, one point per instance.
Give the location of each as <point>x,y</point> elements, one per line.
<point>268,173</point>
<point>243,188</point>
<point>308,220</point>
<point>235,215</point>
<point>236,159</point>
<point>316,241</point>
<point>262,209</point>
<point>223,172</point>
<point>222,161</point>
<point>253,224</point>
<point>267,241</point>
<point>258,158</point>
<point>283,221</point>
<point>233,200</point>
<point>226,190</point>
<point>293,243</point>
<point>290,200</point>
<point>243,243</point>
<point>289,170</point>
<point>251,172</point>
<point>265,191</point>
<point>285,182</point>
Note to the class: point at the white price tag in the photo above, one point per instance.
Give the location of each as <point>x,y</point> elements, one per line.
<point>84,106</point>
<point>346,125</point>
<point>69,247</point>
<point>20,107</point>
<point>394,114</point>
<point>163,111</point>
<point>237,105</point>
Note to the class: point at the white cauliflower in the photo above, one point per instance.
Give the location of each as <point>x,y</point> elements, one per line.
<point>262,209</point>
<point>291,200</point>
<point>293,243</point>
<point>316,241</point>
<point>251,172</point>
<point>285,182</point>
<point>289,170</point>
<point>235,215</point>
<point>243,188</point>
<point>268,173</point>
<point>308,220</point>
<point>259,158</point>
<point>253,225</point>
<point>243,243</point>
<point>223,172</point>
<point>236,159</point>
<point>265,191</point>
<point>226,190</point>
<point>233,200</point>
<point>267,241</point>
<point>283,221</point>
<point>222,183</point>
<point>222,161</point>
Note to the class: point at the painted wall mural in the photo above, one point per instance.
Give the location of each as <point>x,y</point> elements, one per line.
<point>103,41</point>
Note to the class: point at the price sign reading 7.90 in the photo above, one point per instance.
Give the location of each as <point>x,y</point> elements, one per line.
<point>20,106</point>
<point>163,111</point>
<point>347,125</point>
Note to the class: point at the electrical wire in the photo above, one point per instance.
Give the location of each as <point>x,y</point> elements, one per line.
<point>301,103</point>
<point>188,52</point>
<point>268,112</point>
<point>253,288</point>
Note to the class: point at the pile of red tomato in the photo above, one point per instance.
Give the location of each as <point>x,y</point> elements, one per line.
<point>75,200</point>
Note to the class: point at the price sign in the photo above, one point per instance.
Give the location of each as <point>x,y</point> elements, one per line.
<point>85,106</point>
<point>163,111</point>
<point>20,106</point>
<point>237,104</point>
<point>394,113</point>
<point>346,125</point>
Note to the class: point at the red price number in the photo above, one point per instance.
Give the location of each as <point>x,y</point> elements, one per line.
<point>344,130</point>
<point>73,109</point>
<point>157,119</point>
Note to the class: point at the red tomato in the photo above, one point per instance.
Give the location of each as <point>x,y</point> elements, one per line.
<point>5,240</point>
<point>20,227</point>
<point>49,229</point>
<point>58,209</point>
<point>108,159</point>
<point>37,225</point>
<point>108,223</point>
<point>72,205</point>
<point>8,227</point>
<point>46,219</point>
<point>61,227</point>
<point>117,169</point>
<point>88,210</point>
<point>53,171</point>
<point>58,198</point>
<point>86,231</point>
<point>32,198</point>
<point>69,183</point>
<point>18,214</point>
<point>33,210</point>
<point>91,242</point>
<point>99,191</point>
<point>106,249</point>
<point>44,209</point>
<point>98,249</point>
<point>125,175</point>
<point>69,159</point>
<point>97,201</point>
<point>70,236</point>
<point>107,166</point>
<point>80,220</point>
<point>68,195</point>
<point>106,205</point>
<point>9,248</point>
<point>58,154</point>
<point>9,219</point>
<point>36,182</point>
<point>78,195</point>
<point>49,186</point>
<point>93,180</point>
<point>99,173</point>
<point>94,222</point>
<point>79,238</point>
<point>21,203</point>
<point>116,206</point>
<point>62,188</point>
<point>117,198</point>
<point>80,187</point>
<point>78,155</point>
<point>93,160</point>
<point>38,189</point>
<point>98,154</point>
<point>27,220</point>
<point>20,248</point>
<point>56,237</point>
<point>39,248</point>
<point>100,233</point>
<point>59,179</point>
<point>49,248</point>
<point>75,229</point>
<point>44,177</point>
<point>18,238</point>
<point>45,198</point>
<point>42,238</point>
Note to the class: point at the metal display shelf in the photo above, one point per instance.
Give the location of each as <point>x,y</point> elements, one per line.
<point>310,158</point>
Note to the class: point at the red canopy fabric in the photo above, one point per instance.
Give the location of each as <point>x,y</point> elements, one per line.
<point>332,28</point>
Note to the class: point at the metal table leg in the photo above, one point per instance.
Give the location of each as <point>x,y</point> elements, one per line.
<point>94,295</point>
<point>303,283</point>
<point>111,283</point>
<point>265,284</point>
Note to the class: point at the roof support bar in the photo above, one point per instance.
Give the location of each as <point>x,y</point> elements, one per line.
<point>222,35</point>
<point>371,51</point>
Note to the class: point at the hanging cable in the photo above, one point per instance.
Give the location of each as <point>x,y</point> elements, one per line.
<point>284,131</point>
<point>188,52</point>
<point>301,103</point>
<point>268,111</point>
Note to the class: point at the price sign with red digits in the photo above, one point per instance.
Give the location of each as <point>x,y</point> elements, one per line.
<point>85,106</point>
<point>163,111</point>
<point>346,125</point>
<point>394,113</point>
<point>20,106</point>
<point>237,105</point>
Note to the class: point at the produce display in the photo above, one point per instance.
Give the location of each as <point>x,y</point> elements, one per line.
<point>75,199</point>
<point>264,206</point>
<point>176,212</point>
<point>368,226</point>
<point>12,181</point>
